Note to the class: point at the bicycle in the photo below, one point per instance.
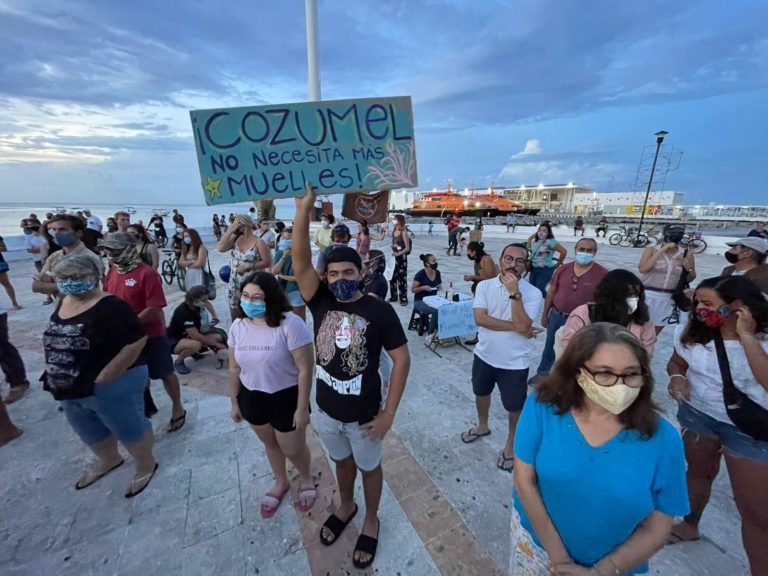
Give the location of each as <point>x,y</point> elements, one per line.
<point>160,241</point>
<point>628,237</point>
<point>170,270</point>
<point>694,242</point>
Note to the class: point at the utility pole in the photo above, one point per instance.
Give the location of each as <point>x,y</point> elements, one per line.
<point>313,51</point>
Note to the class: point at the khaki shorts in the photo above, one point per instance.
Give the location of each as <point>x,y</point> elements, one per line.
<point>345,439</point>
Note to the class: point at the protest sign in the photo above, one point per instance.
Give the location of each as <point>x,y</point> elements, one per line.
<point>372,208</point>
<point>456,319</point>
<point>338,146</point>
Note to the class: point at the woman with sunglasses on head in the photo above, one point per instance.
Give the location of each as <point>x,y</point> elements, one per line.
<point>271,365</point>
<point>599,476</point>
<point>730,314</point>
<point>619,299</point>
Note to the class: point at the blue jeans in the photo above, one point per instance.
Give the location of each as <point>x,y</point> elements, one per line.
<point>422,308</point>
<point>540,277</point>
<point>556,321</point>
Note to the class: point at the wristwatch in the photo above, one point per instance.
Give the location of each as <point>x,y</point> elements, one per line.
<point>516,296</point>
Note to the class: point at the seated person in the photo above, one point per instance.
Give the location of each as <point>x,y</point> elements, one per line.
<point>427,282</point>
<point>191,333</point>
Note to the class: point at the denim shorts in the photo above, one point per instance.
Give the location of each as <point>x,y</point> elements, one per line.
<point>729,436</point>
<point>115,409</point>
<point>157,352</point>
<point>345,439</point>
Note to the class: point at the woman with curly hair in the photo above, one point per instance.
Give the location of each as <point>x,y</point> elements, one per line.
<point>599,475</point>
<point>721,362</point>
<point>271,363</point>
<point>619,299</point>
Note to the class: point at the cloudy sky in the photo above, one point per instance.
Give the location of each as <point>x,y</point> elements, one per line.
<point>95,95</point>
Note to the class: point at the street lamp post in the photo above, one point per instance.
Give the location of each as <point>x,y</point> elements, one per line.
<point>659,139</point>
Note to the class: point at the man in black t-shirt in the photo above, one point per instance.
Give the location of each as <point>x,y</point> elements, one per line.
<point>350,331</point>
<point>759,231</point>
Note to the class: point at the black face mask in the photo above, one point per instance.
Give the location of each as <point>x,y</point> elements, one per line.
<point>434,266</point>
<point>731,257</point>
<point>675,239</point>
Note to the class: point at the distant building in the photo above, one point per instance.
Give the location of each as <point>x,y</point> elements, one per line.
<point>661,203</point>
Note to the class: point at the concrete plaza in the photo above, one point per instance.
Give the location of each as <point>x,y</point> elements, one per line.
<point>445,508</point>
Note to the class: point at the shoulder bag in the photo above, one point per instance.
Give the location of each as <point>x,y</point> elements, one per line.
<point>209,281</point>
<point>745,413</point>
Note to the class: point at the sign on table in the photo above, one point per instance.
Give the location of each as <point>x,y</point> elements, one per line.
<point>456,319</point>
<point>338,146</point>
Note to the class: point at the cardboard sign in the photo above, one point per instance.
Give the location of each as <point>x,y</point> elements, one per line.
<point>456,319</point>
<point>339,146</point>
<point>372,208</point>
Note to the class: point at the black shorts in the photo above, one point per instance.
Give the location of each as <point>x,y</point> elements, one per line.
<point>513,384</point>
<point>157,353</point>
<point>277,409</point>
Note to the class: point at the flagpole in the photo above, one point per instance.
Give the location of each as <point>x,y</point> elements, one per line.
<point>313,51</point>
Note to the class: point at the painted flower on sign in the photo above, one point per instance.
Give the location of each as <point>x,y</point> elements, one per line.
<point>396,169</point>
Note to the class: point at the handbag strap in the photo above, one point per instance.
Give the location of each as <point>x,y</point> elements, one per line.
<point>722,361</point>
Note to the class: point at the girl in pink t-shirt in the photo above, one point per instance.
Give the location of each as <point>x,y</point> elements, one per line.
<point>271,361</point>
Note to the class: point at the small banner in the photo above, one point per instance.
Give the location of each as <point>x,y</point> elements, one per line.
<point>372,208</point>
<point>339,146</point>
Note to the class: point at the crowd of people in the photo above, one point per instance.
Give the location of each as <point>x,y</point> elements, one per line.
<point>600,476</point>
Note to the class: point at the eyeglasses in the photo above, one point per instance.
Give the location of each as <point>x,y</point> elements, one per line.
<point>513,260</point>
<point>607,379</point>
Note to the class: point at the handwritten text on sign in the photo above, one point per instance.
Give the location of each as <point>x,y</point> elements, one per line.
<point>338,146</point>
<point>456,319</point>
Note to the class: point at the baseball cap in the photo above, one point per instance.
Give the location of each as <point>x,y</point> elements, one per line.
<point>344,254</point>
<point>753,242</point>
<point>341,229</point>
<point>117,241</point>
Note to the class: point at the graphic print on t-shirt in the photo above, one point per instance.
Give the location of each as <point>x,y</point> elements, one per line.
<point>60,342</point>
<point>344,334</point>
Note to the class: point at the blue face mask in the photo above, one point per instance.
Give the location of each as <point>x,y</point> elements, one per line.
<point>584,258</point>
<point>64,239</point>
<point>344,289</point>
<point>187,240</point>
<point>75,286</point>
<point>253,309</point>
<point>283,244</point>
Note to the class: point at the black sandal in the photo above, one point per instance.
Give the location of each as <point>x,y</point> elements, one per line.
<point>367,545</point>
<point>177,423</point>
<point>336,525</point>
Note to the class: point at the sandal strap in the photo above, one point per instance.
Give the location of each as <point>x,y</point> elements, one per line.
<point>366,544</point>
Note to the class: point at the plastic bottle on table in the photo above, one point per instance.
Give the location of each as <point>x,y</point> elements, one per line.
<point>449,293</point>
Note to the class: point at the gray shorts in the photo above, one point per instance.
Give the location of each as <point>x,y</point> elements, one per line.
<point>345,439</point>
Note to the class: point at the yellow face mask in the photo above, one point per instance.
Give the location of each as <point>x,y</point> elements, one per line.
<point>615,399</point>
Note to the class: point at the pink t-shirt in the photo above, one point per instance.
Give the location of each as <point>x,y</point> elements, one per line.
<point>264,353</point>
<point>579,318</point>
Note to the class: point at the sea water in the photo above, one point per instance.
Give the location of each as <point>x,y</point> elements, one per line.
<point>195,215</point>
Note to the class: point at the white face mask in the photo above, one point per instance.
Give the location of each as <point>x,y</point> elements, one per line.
<point>325,223</point>
<point>615,399</point>
<point>632,304</point>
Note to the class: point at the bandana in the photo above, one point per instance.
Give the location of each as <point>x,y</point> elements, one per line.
<point>127,260</point>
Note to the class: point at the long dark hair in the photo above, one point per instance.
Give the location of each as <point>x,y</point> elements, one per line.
<point>548,226</point>
<point>561,390</point>
<point>143,236</point>
<point>364,227</point>
<point>610,302</point>
<point>274,297</point>
<point>730,289</point>
<point>478,248</point>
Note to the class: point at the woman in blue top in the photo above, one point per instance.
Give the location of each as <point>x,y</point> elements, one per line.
<point>283,270</point>
<point>599,476</point>
<point>543,260</point>
<point>427,282</point>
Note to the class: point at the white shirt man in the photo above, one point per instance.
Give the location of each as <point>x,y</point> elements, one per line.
<point>505,307</point>
<point>94,222</point>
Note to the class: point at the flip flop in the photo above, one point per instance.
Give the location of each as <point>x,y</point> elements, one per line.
<point>505,463</point>
<point>148,477</point>
<point>367,545</point>
<point>91,477</point>
<point>271,502</point>
<point>336,525</point>
<point>177,423</point>
<point>469,436</point>
<point>307,498</point>
<point>16,393</point>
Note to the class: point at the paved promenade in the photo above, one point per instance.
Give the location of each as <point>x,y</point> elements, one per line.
<point>445,507</point>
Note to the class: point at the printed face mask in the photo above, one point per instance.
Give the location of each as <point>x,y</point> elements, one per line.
<point>615,399</point>
<point>253,309</point>
<point>713,318</point>
<point>75,286</point>
<point>632,304</point>
<point>344,289</point>
<point>584,258</point>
